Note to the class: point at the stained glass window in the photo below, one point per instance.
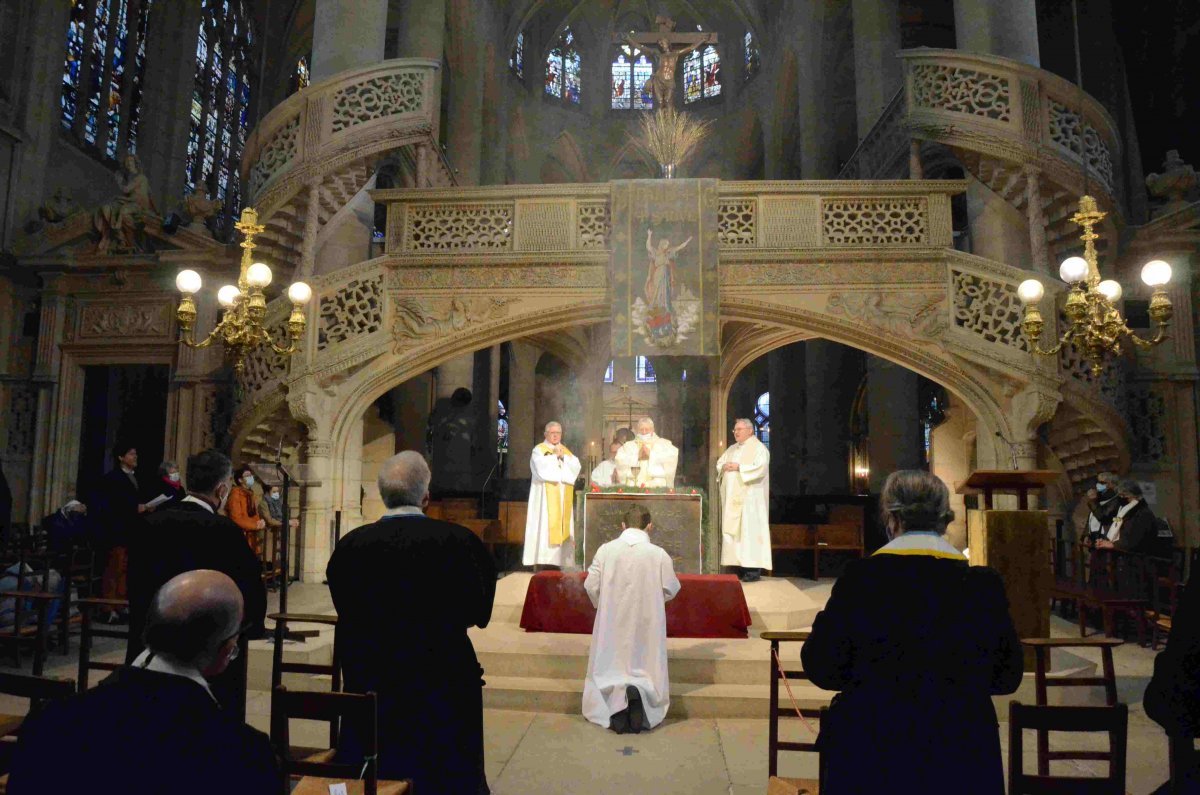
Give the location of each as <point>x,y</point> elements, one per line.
<point>753,59</point>
<point>303,75</point>
<point>630,73</point>
<point>516,61</point>
<point>608,374</point>
<point>101,94</point>
<point>762,418</point>
<point>220,102</point>
<point>643,371</point>
<point>702,74</point>
<point>562,69</point>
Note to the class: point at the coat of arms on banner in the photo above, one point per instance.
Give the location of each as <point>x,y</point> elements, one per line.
<point>664,267</point>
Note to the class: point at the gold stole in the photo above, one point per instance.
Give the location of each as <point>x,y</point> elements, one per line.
<point>733,513</point>
<point>560,502</point>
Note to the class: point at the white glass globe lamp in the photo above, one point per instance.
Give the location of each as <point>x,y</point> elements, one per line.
<point>1030,291</point>
<point>1073,269</point>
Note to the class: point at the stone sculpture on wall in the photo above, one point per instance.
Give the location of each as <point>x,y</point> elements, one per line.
<point>1177,181</point>
<point>121,220</point>
<point>58,207</point>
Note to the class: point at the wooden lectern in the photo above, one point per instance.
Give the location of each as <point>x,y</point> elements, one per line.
<point>1014,543</point>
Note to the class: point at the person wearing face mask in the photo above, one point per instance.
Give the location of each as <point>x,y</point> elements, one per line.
<point>1102,505</point>
<point>170,486</point>
<point>1133,529</point>
<point>242,508</point>
<point>193,535</point>
<point>270,510</point>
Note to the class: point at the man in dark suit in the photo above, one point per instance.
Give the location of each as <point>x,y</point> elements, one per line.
<point>406,589</point>
<point>155,726</point>
<point>191,535</point>
<point>1133,528</point>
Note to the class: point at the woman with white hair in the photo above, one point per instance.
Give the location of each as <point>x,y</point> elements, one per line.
<point>918,642</point>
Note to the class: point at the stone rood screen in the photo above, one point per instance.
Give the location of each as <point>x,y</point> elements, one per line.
<point>663,268</point>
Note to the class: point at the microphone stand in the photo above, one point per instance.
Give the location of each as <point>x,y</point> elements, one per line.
<point>282,633</point>
<point>483,507</point>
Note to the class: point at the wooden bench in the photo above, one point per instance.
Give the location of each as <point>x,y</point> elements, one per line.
<point>1108,581</point>
<point>817,538</point>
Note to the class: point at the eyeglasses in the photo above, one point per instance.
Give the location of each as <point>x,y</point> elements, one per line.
<point>237,647</point>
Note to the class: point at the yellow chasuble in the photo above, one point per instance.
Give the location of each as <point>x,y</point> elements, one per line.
<point>560,501</point>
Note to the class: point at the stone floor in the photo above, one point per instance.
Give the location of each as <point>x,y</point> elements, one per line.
<point>539,751</point>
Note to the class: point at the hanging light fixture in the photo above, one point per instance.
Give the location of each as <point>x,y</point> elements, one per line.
<point>1095,325</point>
<point>241,327</point>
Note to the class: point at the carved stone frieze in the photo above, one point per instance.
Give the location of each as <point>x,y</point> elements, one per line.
<point>920,315</point>
<point>516,277</point>
<point>124,320</point>
<point>791,273</point>
<point>418,319</point>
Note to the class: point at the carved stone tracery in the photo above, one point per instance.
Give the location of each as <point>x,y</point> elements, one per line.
<point>961,90</point>
<point>380,97</point>
<point>875,222</point>
<point>355,309</point>
<point>989,308</point>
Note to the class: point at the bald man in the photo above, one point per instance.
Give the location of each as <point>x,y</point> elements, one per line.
<point>155,726</point>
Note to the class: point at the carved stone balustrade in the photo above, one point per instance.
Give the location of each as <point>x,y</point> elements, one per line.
<point>313,152</point>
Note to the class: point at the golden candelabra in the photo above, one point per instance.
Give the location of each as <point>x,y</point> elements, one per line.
<point>1095,325</point>
<point>241,327</point>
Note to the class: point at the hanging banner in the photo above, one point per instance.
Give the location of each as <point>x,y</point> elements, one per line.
<point>664,267</point>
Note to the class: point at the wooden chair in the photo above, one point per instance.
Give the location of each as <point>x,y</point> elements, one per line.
<point>88,632</point>
<point>1108,680</point>
<point>1166,588</point>
<point>29,555</point>
<point>279,667</point>
<point>1114,720</point>
<point>316,776</point>
<point>774,744</point>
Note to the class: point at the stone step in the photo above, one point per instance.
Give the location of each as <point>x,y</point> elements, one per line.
<point>688,700</point>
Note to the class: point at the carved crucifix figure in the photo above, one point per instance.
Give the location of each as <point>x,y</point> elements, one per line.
<point>666,48</point>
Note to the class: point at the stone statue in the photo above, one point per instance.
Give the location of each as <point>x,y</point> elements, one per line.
<point>1177,180</point>
<point>120,220</point>
<point>666,59</point>
<point>199,208</point>
<point>58,207</point>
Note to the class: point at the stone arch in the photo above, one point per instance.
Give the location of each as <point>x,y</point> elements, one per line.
<point>565,161</point>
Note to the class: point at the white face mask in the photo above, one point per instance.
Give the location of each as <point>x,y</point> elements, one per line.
<point>645,437</point>
<point>173,477</point>
<point>275,495</point>
<point>249,481</point>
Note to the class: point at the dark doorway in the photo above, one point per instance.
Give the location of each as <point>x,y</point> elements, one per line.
<point>126,403</point>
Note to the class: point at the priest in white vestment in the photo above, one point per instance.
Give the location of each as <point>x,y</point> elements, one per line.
<point>550,520</point>
<point>605,474</point>
<point>743,476</point>
<point>629,582</point>
<point>649,461</point>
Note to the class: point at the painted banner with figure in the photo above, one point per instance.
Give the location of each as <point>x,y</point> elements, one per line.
<point>664,267</point>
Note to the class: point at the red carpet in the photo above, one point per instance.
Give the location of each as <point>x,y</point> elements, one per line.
<point>707,606</point>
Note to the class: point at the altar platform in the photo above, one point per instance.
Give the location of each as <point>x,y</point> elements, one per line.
<point>707,606</point>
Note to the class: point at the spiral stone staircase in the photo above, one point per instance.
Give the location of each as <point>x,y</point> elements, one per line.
<point>1014,127</point>
<point>315,151</point>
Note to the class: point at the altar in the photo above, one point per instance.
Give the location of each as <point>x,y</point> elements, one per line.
<point>678,524</point>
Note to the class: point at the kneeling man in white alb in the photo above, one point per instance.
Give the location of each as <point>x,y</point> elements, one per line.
<point>629,582</point>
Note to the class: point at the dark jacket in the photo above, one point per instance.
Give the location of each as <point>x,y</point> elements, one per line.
<point>917,643</point>
<point>115,507</point>
<point>1139,533</point>
<point>406,589</point>
<point>1104,511</point>
<point>183,538</point>
<point>1172,698</point>
<point>146,732</point>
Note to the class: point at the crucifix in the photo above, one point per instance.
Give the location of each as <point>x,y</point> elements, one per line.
<point>666,48</point>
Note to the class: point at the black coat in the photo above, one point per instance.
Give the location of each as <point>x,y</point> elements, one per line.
<point>406,589</point>
<point>115,507</point>
<point>1173,696</point>
<point>917,645</point>
<point>183,538</point>
<point>146,732</point>
<point>1138,531</point>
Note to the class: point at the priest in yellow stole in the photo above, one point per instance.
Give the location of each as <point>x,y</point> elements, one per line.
<point>550,523</point>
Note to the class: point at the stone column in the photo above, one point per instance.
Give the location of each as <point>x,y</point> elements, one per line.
<point>351,501</point>
<point>464,138</point>
<point>422,28</point>
<point>788,406</point>
<point>832,375</point>
<point>877,72</point>
<point>894,420</point>
<point>952,463</point>
<point>1038,253</point>
<point>315,514</point>
<point>347,35</point>
<point>1008,28</point>
<point>522,435</point>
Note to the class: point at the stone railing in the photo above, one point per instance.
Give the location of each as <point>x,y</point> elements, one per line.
<point>1007,109</point>
<point>883,153</point>
<point>348,116</point>
<point>517,220</point>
